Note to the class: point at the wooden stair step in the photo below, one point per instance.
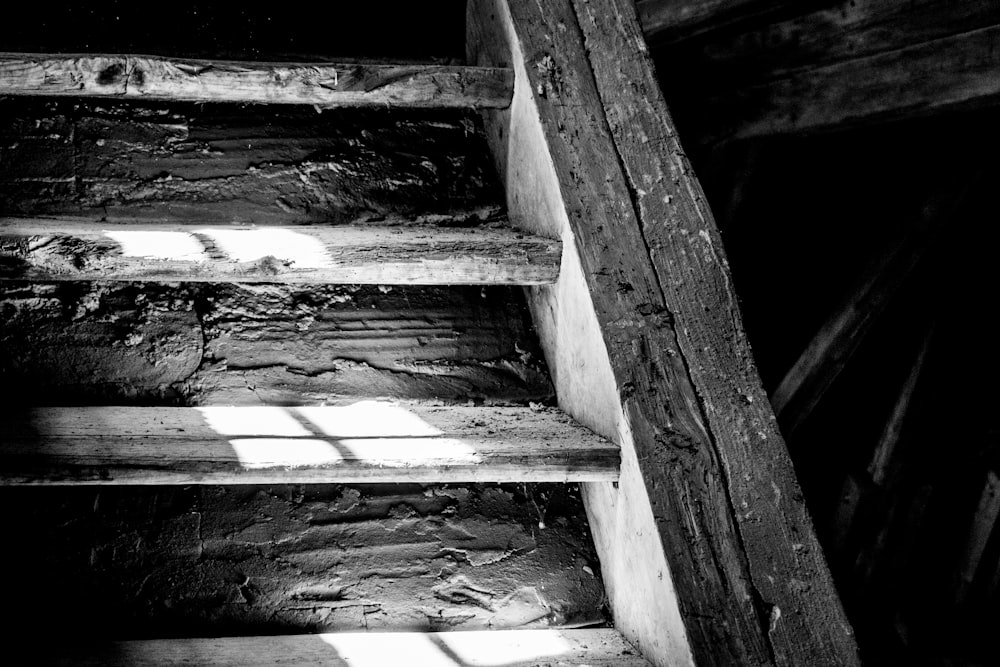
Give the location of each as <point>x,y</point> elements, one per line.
<point>322,85</point>
<point>486,648</point>
<point>71,249</point>
<point>367,441</point>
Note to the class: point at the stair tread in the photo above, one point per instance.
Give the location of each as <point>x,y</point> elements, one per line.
<point>507,648</point>
<point>71,249</point>
<point>319,84</point>
<point>367,441</point>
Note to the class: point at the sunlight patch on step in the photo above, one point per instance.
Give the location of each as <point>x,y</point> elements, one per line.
<point>253,421</point>
<point>178,246</point>
<point>262,453</point>
<point>367,432</point>
<point>451,649</point>
<point>249,245</point>
<point>368,419</point>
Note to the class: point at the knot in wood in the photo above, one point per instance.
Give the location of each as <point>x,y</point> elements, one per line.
<point>111,74</point>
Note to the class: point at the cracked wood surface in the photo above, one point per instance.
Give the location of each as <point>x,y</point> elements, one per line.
<point>68,249</point>
<point>322,85</point>
<point>599,647</point>
<point>360,441</point>
<point>699,444</point>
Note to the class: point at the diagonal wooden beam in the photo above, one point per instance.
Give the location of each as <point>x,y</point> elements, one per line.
<point>955,72</point>
<point>708,553</point>
<point>836,341</point>
<point>668,21</point>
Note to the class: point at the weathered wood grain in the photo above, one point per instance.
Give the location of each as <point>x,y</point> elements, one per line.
<point>600,647</point>
<point>840,31</point>
<point>68,249</point>
<point>366,441</point>
<point>667,21</point>
<point>683,522</point>
<point>788,573</point>
<point>323,85</point>
<point>955,72</point>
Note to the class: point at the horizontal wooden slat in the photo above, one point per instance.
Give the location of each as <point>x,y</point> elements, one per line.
<point>321,84</point>
<point>364,254</point>
<point>508,648</point>
<point>368,441</point>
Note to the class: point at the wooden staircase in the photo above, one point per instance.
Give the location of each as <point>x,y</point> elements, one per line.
<point>662,418</point>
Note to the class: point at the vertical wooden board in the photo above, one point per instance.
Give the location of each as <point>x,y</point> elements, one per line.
<point>678,492</point>
<point>806,623</point>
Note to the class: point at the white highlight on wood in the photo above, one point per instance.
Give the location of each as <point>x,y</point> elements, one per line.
<point>75,249</point>
<point>179,246</point>
<point>599,647</point>
<point>370,441</point>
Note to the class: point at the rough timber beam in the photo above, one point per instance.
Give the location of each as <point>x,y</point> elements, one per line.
<point>958,72</point>
<point>708,553</point>
<point>847,62</point>
<point>67,249</point>
<point>368,441</point>
<point>322,84</point>
<point>676,20</point>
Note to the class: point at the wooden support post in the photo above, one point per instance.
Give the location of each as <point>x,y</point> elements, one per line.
<point>708,553</point>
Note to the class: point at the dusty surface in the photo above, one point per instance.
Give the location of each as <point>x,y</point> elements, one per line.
<point>246,164</point>
<point>78,343</point>
<point>239,560</point>
<point>244,560</point>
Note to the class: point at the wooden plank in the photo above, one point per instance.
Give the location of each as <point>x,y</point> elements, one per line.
<point>981,528</point>
<point>600,647</point>
<point>836,341</point>
<point>670,21</point>
<point>886,451</point>
<point>950,73</point>
<point>839,31</point>
<point>67,249</point>
<point>367,441</point>
<point>322,85</point>
<point>625,362</point>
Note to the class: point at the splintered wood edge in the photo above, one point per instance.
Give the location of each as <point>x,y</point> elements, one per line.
<point>365,442</point>
<point>58,250</point>
<point>320,84</point>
